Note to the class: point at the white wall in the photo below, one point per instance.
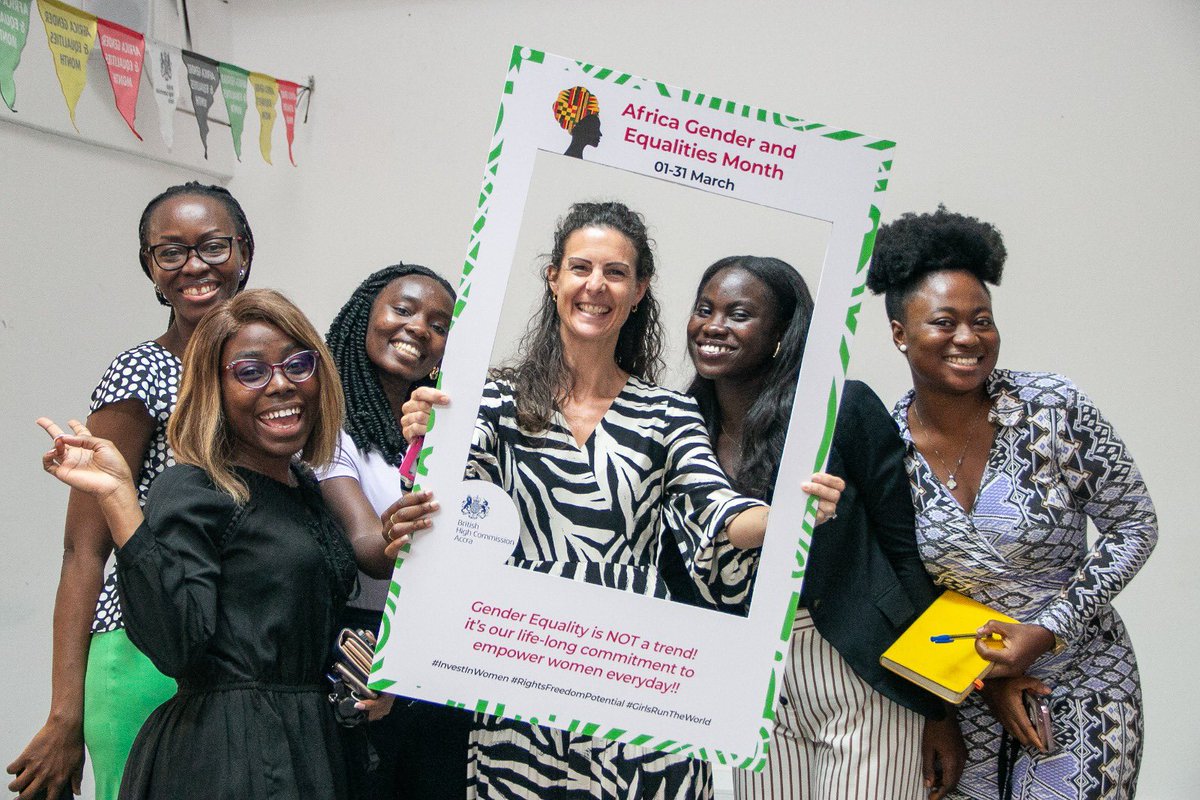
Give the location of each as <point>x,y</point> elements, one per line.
<point>1069,125</point>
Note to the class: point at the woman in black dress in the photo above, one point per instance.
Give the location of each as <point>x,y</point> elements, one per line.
<point>233,576</point>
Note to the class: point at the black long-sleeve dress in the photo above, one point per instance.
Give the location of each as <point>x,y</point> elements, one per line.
<point>238,604</point>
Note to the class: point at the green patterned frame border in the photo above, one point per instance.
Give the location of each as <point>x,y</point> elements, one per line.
<point>520,56</point>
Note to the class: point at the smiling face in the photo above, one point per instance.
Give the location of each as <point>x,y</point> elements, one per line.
<point>193,289</point>
<point>734,327</point>
<point>950,333</point>
<point>595,285</point>
<point>406,332</point>
<point>270,424</point>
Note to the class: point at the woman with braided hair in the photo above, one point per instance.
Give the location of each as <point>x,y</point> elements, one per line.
<point>196,248</point>
<point>387,340</point>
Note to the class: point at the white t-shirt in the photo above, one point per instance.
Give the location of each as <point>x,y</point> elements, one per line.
<point>381,483</point>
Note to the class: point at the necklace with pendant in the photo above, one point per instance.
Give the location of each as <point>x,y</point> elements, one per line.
<point>735,438</point>
<point>951,481</point>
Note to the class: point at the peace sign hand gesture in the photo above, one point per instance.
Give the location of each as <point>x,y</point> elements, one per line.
<point>84,462</point>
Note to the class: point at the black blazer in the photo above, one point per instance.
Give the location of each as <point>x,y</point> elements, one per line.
<point>864,582</point>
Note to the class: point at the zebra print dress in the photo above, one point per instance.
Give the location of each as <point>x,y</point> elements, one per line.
<point>643,491</point>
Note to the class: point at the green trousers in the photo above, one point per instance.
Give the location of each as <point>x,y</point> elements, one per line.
<point>120,690</point>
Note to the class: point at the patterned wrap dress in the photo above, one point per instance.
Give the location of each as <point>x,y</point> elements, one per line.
<point>596,513</point>
<point>1055,463</point>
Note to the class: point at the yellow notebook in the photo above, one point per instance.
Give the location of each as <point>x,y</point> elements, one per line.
<point>948,670</point>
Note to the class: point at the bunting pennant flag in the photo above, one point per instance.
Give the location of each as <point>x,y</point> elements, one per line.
<point>70,36</point>
<point>164,66</point>
<point>124,51</point>
<point>287,101</point>
<point>233,89</point>
<point>14,30</point>
<point>266,91</point>
<point>204,77</point>
<point>69,33</point>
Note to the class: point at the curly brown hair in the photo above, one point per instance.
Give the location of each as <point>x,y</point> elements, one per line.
<point>538,374</point>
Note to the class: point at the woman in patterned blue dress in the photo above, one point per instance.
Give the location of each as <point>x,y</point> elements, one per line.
<point>1006,468</point>
<point>594,454</point>
<point>196,249</point>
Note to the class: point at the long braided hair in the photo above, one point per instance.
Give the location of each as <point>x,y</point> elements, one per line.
<point>218,193</point>
<point>765,426</point>
<point>369,418</point>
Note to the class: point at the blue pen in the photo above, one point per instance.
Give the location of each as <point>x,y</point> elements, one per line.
<point>946,638</point>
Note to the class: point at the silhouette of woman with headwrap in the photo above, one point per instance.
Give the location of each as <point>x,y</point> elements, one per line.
<point>578,112</point>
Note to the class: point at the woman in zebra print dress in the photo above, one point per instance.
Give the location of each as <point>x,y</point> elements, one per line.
<point>595,454</point>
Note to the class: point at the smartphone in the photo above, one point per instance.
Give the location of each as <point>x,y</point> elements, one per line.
<point>359,688</point>
<point>1038,709</point>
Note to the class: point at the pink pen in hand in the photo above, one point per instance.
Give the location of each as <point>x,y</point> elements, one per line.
<point>410,461</point>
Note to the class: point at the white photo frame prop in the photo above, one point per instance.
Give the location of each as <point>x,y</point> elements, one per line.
<point>463,628</point>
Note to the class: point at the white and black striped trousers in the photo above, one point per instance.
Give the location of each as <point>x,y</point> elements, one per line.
<point>835,738</point>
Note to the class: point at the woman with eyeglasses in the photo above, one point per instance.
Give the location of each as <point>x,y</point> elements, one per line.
<point>234,573</point>
<point>196,249</point>
<point>388,339</point>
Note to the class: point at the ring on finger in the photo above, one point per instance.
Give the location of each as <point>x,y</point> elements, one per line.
<point>387,534</point>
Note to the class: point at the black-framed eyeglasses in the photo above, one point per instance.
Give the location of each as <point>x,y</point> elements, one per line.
<point>254,373</point>
<point>213,251</point>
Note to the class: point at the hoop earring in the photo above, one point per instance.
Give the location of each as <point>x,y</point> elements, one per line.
<point>433,375</point>
<point>778,345</point>
<point>162,299</point>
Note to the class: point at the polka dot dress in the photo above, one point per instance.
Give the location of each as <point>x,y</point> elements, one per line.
<point>150,374</point>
